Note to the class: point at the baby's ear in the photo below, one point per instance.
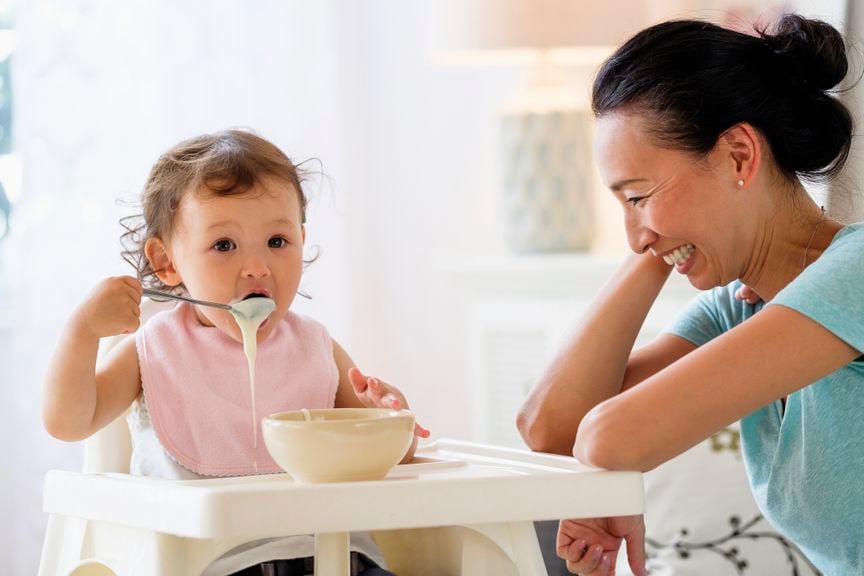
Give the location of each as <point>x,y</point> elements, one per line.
<point>161,262</point>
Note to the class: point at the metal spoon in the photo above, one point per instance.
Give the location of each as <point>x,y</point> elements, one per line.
<point>254,309</point>
<point>157,295</point>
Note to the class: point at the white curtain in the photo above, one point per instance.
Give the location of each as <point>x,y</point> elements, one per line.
<point>102,88</point>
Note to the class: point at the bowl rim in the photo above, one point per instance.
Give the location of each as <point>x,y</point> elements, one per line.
<point>274,420</point>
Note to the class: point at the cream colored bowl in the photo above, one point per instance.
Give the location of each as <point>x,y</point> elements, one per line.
<point>338,444</point>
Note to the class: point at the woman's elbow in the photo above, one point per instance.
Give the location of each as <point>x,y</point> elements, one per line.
<point>597,453</point>
<point>601,442</point>
<point>537,434</point>
<point>526,423</point>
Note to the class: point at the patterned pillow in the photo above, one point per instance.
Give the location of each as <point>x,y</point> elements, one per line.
<point>701,518</point>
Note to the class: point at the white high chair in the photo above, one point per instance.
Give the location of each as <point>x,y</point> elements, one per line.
<point>461,509</point>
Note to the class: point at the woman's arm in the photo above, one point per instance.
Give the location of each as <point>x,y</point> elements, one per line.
<point>595,363</point>
<point>80,398</point>
<point>773,354</point>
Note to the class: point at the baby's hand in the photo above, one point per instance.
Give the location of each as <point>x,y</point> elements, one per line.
<point>374,393</point>
<point>112,307</point>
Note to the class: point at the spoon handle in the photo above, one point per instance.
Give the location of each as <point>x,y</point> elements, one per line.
<point>157,295</point>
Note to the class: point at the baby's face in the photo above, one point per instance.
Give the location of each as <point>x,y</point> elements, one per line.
<point>226,248</point>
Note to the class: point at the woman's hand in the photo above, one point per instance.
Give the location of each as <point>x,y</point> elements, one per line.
<point>590,546</point>
<point>748,295</point>
<point>113,307</point>
<point>374,393</point>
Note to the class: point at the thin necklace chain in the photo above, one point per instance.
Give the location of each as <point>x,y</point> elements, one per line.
<point>813,235</point>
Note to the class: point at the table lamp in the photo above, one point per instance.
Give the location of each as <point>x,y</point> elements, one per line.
<point>544,127</point>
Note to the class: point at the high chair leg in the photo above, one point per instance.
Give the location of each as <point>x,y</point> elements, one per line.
<point>517,540</point>
<point>64,541</point>
<point>332,554</point>
<point>479,558</point>
<point>71,543</point>
<point>526,551</point>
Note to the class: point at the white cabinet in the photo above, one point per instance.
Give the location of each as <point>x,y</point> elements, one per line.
<point>517,310</point>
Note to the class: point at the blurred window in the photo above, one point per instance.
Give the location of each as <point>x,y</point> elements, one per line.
<point>9,165</point>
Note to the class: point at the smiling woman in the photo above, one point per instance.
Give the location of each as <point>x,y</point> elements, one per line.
<point>667,208</point>
<point>710,182</point>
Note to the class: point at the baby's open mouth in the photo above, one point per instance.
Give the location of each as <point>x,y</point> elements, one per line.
<point>255,295</point>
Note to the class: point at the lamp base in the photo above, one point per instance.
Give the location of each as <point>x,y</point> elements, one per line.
<point>546,180</point>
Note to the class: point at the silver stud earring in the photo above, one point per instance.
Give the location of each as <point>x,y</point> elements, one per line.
<point>740,183</point>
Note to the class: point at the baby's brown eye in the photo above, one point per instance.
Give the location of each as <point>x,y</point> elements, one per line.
<point>223,245</point>
<point>277,242</point>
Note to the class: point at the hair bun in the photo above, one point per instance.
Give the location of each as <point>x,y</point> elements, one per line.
<point>814,51</point>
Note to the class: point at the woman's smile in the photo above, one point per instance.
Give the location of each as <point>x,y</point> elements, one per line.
<point>681,258</point>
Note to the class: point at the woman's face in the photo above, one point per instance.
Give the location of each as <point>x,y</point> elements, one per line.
<point>673,201</point>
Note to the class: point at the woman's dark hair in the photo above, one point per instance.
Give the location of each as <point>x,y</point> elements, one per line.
<point>695,80</point>
<point>225,163</point>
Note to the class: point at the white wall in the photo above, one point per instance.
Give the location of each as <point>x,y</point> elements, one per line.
<point>420,155</point>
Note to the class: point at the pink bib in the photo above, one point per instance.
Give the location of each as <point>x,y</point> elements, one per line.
<point>196,386</point>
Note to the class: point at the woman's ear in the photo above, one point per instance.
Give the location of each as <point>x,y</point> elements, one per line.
<point>161,262</point>
<point>741,150</point>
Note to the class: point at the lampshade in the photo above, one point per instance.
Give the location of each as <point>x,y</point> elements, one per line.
<point>545,187</point>
<point>516,31</point>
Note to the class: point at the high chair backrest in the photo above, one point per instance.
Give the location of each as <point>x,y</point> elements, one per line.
<point>110,449</point>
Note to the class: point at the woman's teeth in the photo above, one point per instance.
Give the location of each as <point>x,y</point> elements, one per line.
<point>679,255</point>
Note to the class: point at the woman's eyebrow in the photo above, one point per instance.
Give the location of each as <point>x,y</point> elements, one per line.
<point>617,186</point>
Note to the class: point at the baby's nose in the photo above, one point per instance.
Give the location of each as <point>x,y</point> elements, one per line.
<point>256,267</point>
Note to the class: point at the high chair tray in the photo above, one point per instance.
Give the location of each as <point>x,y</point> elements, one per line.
<point>450,483</point>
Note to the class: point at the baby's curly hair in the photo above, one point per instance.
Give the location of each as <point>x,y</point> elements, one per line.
<point>226,163</point>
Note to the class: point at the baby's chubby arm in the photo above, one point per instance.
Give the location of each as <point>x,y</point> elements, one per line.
<point>78,399</point>
<point>357,390</point>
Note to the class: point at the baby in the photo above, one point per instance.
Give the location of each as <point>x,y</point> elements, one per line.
<point>223,220</point>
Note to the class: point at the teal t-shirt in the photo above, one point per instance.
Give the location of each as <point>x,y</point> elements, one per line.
<point>806,464</point>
